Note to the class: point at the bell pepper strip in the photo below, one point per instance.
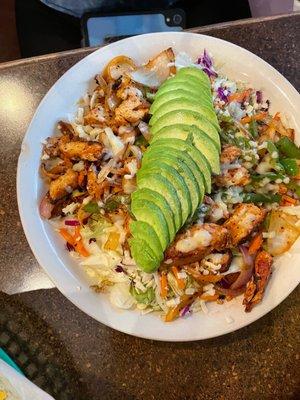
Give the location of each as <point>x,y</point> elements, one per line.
<point>253,129</point>
<point>256,117</point>
<point>261,198</point>
<point>290,165</point>
<point>272,176</point>
<point>112,241</point>
<point>174,312</point>
<point>272,149</point>
<point>180,282</point>
<point>255,244</point>
<point>288,201</point>
<point>288,148</point>
<point>163,285</point>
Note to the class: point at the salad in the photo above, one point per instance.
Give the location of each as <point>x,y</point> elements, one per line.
<point>173,186</point>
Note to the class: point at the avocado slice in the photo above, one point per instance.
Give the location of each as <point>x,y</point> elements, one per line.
<point>142,230</point>
<point>162,147</point>
<point>194,72</point>
<point>188,148</point>
<point>143,255</point>
<point>199,139</point>
<point>160,184</point>
<point>147,211</point>
<point>203,91</point>
<point>179,94</point>
<point>160,201</point>
<point>175,179</point>
<point>187,118</point>
<point>191,80</point>
<point>154,155</point>
<point>185,104</point>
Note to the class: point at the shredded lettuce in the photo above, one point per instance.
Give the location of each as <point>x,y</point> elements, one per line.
<point>143,297</point>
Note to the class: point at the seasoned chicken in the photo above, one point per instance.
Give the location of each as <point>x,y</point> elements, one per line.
<point>196,243</point>
<point>230,154</point>
<point>256,286</point>
<point>97,116</point>
<point>63,185</point>
<point>244,219</point>
<point>133,109</point>
<point>90,151</point>
<point>233,177</point>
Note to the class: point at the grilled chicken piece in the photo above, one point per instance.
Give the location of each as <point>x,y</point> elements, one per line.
<point>220,260</point>
<point>63,185</point>
<point>97,116</point>
<point>230,154</point>
<point>256,286</point>
<point>90,151</point>
<point>196,243</point>
<point>132,110</point>
<point>244,219</point>
<point>233,177</point>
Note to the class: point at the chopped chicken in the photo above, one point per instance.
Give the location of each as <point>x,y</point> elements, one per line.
<point>97,116</point>
<point>244,219</point>
<point>90,151</point>
<point>233,177</point>
<point>133,109</point>
<point>256,286</point>
<point>196,243</point>
<point>230,154</point>
<point>63,185</point>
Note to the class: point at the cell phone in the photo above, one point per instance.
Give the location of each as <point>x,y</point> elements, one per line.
<point>99,29</point>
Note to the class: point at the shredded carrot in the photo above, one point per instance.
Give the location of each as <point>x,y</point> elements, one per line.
<point>277,116</point>
<point>287,200</point>
<point>67,236</point>
<point>282,188</point>
<point>257,117</point>
<point>163,285</point>
<point>180,281</point>
<point>112,241</point>
<point>204,278</point>
<point>255,244</point>
<point>239,96</point>
<point>207,297</point>
<point>79,247</point>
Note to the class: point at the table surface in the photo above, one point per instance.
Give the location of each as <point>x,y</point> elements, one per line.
<point>260,361</point>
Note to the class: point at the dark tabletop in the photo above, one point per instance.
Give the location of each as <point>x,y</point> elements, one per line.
<point>257,362</point>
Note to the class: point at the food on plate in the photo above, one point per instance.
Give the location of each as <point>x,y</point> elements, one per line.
<point>173,186</point>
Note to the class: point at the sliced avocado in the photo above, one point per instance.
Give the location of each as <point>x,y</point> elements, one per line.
<point>190,80</point>
<point>187,118</point>
<point>155,155</point>
<point>179,94</point>
<point>185,104</point>
<point>175,179</point>
<point>163,146</point>
<point>160,184</point>
<point>147,211</point>
<point>187,147</point>
<point>143,255</point>
<point>142,230</point>
<point>203,91</point>
<point>195,135</point>
<point>160,201</point>
<point>194,72</point>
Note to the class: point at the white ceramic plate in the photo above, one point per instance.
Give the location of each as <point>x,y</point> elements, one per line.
<point>49,250</point>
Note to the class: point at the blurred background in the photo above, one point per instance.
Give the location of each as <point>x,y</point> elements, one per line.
<point>35,27</point>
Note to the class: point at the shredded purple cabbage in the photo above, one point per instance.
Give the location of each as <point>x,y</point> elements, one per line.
<point>91,240</point>
<point>185,310</point>
<point>222,95</point>
<point>258,96</point>
<point>206,64</point>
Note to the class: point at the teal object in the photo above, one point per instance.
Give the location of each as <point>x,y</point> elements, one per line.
<point>5,357</point>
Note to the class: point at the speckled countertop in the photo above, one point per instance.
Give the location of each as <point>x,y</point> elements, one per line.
<point>258,362</point>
